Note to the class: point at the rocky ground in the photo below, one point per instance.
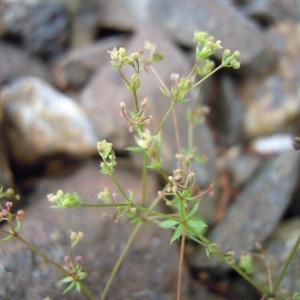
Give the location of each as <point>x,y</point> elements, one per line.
<point>59,96</point>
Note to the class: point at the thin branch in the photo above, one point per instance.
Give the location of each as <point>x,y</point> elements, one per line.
<point>180,268</point>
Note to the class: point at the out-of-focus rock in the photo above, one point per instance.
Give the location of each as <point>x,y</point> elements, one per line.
<point>101,99</point>
<point>75,68</point>
<point>6,176</point>
<point>276,252</point>
<point>241,166</point>
<point>42,27</point>
<point>256,211</point>
<point>182,18</point>
<point>227,113</point>
<point>39,122</point>
<point>15,63</point>
<point>269,11</point>
<point>26,276</point>
<point>273,101</point>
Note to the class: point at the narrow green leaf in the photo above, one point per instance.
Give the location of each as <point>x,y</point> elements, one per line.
<point>69,288</point>
<point>168,224</point>
<point>67,279</point>
<point>9,237</point>
<point>78,286</point>
<point>193,210</point>
<point>197,226</point>
<point>135,149</point>
<point>177,234</point>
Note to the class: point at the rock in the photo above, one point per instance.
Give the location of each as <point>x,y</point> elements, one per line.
<point>272,101</point>
<point>181,19</point>
<point>25,276</point>
<point>15,63</point>
<point>42,27</point>
<point>39,122</point>
<point>6,176</point>
<point>106,90</point>
<point>241,166</point>
<point>227,113</point>
<point>276,251</point>
<point>256,211</point>
<point>269,11</point>
<point>75,68</point>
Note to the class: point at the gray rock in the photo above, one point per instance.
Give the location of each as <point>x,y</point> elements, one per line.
<point>25,276</point>
<point>272,101</point>
<point>268,11</point>
<point>15,63</point>
<point>106,90</point>
<point>182,18</point>
<point>257,210</point>
<point>39,121</point>
<point>276,251</point>
<point>75,68</point>
<point>43,27</point>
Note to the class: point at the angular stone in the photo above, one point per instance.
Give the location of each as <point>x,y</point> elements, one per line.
<point>15,63</point>
<point>75,68</point>
<point>276,251</point>
<point>42,27</point>
<point>182,18</point>
<point>272,101</point>
<point>106,90</point>
<point>39,122</point>
<point>257,210</point>
<point>25,276</point>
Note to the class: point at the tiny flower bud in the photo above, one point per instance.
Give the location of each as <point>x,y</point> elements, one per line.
<point>78,258</point>
<point>67,259</point>
<point>144,102</point>
<point>122,105</point>
<point>20,214</point>
<point>8,205</point>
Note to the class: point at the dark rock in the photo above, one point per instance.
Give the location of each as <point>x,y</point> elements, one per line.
<point>42,27</point>
<point>182,18</point>
<point>257,210</point>
<point>75,68</point>
<point>15,63</point>
<point>106,90</point>
<point>25,276</point>
<point>276,252</point>
<point>227,113</point>
<point>272,101</point>
<point>269,11</point>
<point>39,121</point>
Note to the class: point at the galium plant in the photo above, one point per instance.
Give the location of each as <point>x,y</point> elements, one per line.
<point>180,191</point>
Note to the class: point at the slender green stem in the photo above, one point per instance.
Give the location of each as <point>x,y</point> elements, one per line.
<point>136,101</point>
<point>158,78</point>
<point>144,179</point>
<point>163,120</point>
<point>234,266</point>
<point>205,77</point>
<point>119,262</point>
<point>85,290</point>
<point>87,205</point>
<point>120,188</point>
<point>286,265</point>
<point>180,267</point>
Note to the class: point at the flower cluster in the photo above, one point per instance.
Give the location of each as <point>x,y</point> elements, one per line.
<point>64,200</point>
<point>107,154</point>
<point>181,87</point>
<point>206,45</point>
<point>230,60</point>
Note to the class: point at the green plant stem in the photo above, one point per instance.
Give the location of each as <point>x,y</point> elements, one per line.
<point>85,290</point>
<point>176,128</point>
<point>87,205</point>
<point>205,77</point>
<point>180,267</point>
<point>136,101</point>
<point>163,120</point>
<point>160,81</point>
<point>144,179</point>
<point>234,266</point>
<point>120,261</point>
<point>286,265</point>
<point>120,188</point>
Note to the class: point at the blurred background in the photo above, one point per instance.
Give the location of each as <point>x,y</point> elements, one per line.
<point>59,96</point>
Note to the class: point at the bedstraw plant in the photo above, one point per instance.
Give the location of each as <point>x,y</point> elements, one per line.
<point>180,191</point>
